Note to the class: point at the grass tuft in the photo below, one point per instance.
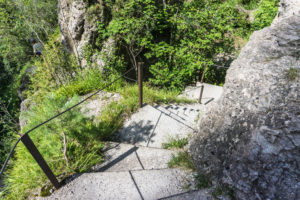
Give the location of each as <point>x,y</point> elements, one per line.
<point>175,143</point>
<point>183,159</point>
<point>293,73</point>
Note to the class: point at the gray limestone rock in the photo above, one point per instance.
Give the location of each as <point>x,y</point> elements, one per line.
<point>250,137</point>
<point>78,24</point>
<point>25,81</point>
<point>93,107</point>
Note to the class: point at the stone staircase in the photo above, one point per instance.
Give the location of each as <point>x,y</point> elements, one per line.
<point>136,166</point>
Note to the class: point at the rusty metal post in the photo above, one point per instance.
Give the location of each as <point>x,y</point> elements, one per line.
<point>40,160</point>
<point>140,83</point>
<point>202,86</point>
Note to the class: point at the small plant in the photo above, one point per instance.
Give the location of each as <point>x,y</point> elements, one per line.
<point>175,143</point>
<point>183,159</point>
<point>249,4</point>
<point>264,14</point>
<point>202,181</point>
<point>224,191</point>
<point>293,73</point>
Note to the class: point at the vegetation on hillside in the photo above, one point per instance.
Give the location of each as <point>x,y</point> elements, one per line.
<point>175,40</point>
<point>19,21</point>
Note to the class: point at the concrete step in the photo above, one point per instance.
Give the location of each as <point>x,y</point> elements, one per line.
<point>186,113</point>
<point>125,157</point>
<point>132,185</point>
<point>152,126</point>
<point>204,194</point>
<point>210,92</point>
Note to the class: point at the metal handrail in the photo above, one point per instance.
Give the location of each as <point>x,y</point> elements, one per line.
<point>25,135</point>
<point>33,150</point>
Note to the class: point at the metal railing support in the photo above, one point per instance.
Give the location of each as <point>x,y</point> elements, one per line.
<point>140,83</point>
<point>202,85</point>
<point>40,160</point>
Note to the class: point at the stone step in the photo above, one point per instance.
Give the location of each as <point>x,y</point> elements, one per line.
<point>210,92</point>
<point>131,185</point>
<point>204,194</point>
<point>151,127</point>
<point>125,157</point>
<point>186,113</point>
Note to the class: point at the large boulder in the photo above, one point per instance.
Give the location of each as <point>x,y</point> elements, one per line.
<point>250,138</point>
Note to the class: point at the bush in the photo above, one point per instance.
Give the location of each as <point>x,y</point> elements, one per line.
<point>55,68</point>
<point>265,14</point>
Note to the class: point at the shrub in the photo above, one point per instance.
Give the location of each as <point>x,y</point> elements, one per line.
<point>265,14</point>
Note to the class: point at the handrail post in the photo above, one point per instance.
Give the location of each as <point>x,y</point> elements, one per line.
<point>40,160</point>
<point>202,86</point>
<point>140,83</point>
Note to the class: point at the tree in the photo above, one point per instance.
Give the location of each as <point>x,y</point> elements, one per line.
<point>132,26</point>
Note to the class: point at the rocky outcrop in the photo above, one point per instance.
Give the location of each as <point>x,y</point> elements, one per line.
<point>78,24</point>
<point>250,138</point>
<point>93,107</point>
<point>25,81</point>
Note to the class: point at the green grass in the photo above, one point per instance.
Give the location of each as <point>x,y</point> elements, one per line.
<point>84,138</point>
<point>83,147</point>
<point>183,159</point>
<point>175,143</point>
<point>264,14</point>
<point>293,73</point>
<point>249,4</point>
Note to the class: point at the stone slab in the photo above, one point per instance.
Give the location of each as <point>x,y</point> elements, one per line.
<point>140,126</point>
<point>166,129</point>
<point>152,158</point>
<point>153,125</point>
<point>187,114</point>
<point>193,195</point>
<point>156,184</point>
<point>125,157</point>
<point>210,92</point>
<point>94,186</point>
<point>119,157</point>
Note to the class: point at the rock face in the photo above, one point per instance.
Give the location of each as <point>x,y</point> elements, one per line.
<point>250,138</point>
<point>93,107</point>
<point>78,23</point>
<point>25,81</point>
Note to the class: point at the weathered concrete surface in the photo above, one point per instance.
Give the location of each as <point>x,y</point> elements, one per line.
<point>194,195</point>
<point>151,127</point>
<point>210,92</point>
<point>152,158</point>
<point>132,185</point>
<point>250,137</point>
<point>125,157</point>
<point>119,157</point>
<point>154,125</point>
<point>93,186</point>
<point>183,114</point>
<point>156,184</point>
